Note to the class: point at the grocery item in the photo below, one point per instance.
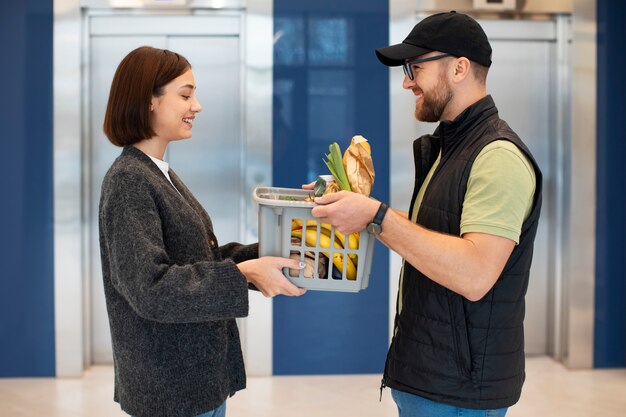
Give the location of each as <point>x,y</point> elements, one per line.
<point>359,167</point>
<point>309,262</point>
<point>310,235</point>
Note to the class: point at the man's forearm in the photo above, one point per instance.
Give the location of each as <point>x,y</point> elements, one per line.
<point>458,264</point>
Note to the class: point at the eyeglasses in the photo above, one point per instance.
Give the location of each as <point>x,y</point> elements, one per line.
<point>407,65</point>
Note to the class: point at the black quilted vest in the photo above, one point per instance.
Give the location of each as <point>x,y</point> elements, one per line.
<point>447,348</point>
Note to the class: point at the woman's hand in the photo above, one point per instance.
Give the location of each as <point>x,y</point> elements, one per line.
<point>266,274</point>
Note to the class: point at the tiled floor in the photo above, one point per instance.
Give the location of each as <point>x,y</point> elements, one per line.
<point>550,390</point>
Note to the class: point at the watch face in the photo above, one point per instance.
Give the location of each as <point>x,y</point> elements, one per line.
<point>374,228</point>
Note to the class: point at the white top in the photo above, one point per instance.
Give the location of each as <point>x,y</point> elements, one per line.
<point>164,167</point>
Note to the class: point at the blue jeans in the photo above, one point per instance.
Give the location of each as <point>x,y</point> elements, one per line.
<point>216,412</point>
<point>410,405</point>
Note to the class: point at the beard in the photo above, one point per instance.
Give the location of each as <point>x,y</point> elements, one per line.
<point>434,102</point>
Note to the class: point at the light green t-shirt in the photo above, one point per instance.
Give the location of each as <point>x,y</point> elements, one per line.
<point>500,191</point>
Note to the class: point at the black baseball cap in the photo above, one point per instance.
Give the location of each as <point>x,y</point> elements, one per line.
<point>453,33</point>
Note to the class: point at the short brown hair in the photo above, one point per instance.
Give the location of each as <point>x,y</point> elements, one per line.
<point>141,75</point>
<point>480,72</point>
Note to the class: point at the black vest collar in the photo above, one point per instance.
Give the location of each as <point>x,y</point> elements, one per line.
<point>449,132</point>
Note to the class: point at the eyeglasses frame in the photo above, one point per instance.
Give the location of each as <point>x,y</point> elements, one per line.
<point>407,64</point>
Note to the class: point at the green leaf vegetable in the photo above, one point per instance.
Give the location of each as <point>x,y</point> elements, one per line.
<point>335,165</point>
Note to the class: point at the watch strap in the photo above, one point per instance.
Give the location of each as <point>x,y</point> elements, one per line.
<point>380,214</point>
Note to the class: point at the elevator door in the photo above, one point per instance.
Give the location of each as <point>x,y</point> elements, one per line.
<point>210,163</point>
<point>523,81</point>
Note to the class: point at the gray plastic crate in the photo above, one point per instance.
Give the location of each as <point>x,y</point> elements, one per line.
<point>278,207</point>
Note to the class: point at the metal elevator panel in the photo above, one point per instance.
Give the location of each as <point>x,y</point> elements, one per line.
<point>210,163</point>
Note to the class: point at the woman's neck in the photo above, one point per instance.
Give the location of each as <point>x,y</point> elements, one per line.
<point>155,147</point>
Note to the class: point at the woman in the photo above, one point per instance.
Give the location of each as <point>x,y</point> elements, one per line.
<point>172,292</point>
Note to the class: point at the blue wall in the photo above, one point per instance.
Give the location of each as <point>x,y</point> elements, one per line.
<point>26,277</point>
<point>329,86</point>
<point>610,319</point>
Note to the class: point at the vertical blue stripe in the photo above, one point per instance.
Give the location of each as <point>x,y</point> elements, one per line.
<point>329,86</point>
<point>610,300</point>
<point>26,217</point>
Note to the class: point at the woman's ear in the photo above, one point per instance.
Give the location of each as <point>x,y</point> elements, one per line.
<point>154,102</point>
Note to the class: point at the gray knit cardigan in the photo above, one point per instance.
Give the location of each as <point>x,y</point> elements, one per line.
<point>172,294</point>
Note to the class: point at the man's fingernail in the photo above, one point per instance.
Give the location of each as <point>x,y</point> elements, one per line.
<point>301,265</point>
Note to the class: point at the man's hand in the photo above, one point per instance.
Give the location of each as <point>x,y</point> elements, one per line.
<point>266,274</point>
<point>348,212</point>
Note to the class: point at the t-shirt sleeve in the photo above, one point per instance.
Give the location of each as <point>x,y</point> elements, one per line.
<point>500,192</point>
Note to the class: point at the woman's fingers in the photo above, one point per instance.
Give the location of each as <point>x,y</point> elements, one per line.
<point>308,186</point>
<point>269,279</point>
<point>288,286</point>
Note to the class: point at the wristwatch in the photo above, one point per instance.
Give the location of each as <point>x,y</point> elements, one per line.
<point>375,227</point>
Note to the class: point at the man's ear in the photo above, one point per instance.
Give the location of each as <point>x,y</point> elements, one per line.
<point>461,68</point>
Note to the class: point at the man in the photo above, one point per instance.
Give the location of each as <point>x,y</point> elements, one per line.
<point>467,241</point>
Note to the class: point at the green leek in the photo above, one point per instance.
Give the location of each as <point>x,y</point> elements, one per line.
<point>335,165</point>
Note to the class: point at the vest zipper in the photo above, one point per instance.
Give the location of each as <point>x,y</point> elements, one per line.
<point>383,381</point>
